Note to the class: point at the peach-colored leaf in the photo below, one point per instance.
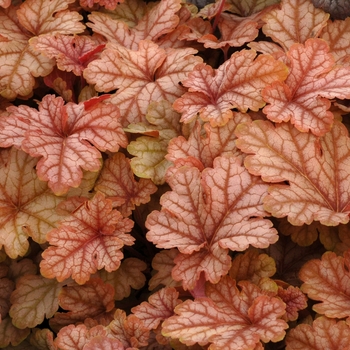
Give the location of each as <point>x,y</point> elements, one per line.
<point>108,4</point>
<point>252,266</point>
<point>43,339</point>
<point>129,275</point>
<point>88,240</point>
<point>72,53</point>
<point>235,84</point>
<point>94,299</point>
<point>157,21</point>
<point>207,214</point>
<point>303,97</point>
<point>5,3</point>
<point>9,334</point>
<point>34,298</point>
<point>129,330</point>
<point>27,205</point>
<point>337,36</point>
<point>202,149</point>
<point>159,307</point>
<point>245,8</point>
<point>19,62</point>
<point>328,281</point>
<point>117,182</point>
<point>104,343</point>
<point>163,263</point>
<point>148,74</point>
<point>68,138</point>
<point>228,318</point>
<point>324,333</point>
<point>295,22</point>
<point>313,166</point>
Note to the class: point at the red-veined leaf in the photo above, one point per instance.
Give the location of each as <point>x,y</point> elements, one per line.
<point>235,84</point>
<point>303,97</point>
<point>229,318</point>
<point>108,4</point>
<point>283,25</point>
<point>313,166</point>
<point>43,339</point>
<point>294,299</point>
<point>89,239</point>
<point>207,214</point>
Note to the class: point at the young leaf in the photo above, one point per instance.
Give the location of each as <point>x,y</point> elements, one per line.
<point>19,62</point>
<point>34,298</point>
<point>324,333</point>
<point>207,214</point>
<point>157,21</point>
<point>27,205</point>
<point>294,299</point>
<point>229,318</point>
<point>283,25</point>
<point>142,76</point>
<point>313,166</point>
<point>68,138</point>
<point>327,280</point>
<point>94,299</point>
<point>88,240</point>
<point>117,182</point>
<point>235,84</point>
<point>302,97</point>
<point>42,339</point>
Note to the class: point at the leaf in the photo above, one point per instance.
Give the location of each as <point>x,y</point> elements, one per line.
<point>42,339</point>
<point>327,280</point>
<point>155,22</point>
<point>235,84</point>
<point>129,330</point>
<point>9,334</point>
<point>19,61</point>
<point>252,266</point>
<point>159,307</point>
<point>104,343</point>
<point>324,333</point>
<point>248,7</point>
<point>338,9</point>
<point>34,298</point>
<point>295,301</point>
<point>72,53</point>
<point>142,76</point>
<point>229,318</point>
<point>88,240</point>
<point>117,182</point>
<point>202,148</point>
<point>282,25</point>
<point>127,276</point>
<point>68,138</point>
<point>6,286</point>
<point>303,97</point>
<point>311,165</point>
<point>108,4</point>
<point>27,205</point>
<point>94,299</point>
<point>206,214</point>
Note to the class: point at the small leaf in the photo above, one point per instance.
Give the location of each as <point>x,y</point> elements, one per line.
<point>34,298</point>
<point>338,9</point>
<point>295,301</point>
<point>88,240</point>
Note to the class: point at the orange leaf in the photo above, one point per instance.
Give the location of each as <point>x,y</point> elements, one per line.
<point>294,299</point>
<point>87,240</point>
<point>207,214</point>
<point>303,97</point>
<point>324,333</point>
<point>235,84</point>
<point>283,25</point>
<point>313,166</point>
<point>328,281</point>
<point>229,318</point>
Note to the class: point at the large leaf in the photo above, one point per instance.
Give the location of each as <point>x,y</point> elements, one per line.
<point>140,77</point>
<point>19,62</point>
<point>27,204</point>
<point>235,84</point>
<point>206,215</point>
<point>68,138</point>
<point>328,281</point>
<point>88,240</point>
<point>228,318</point>
<point>303,97</point>
<point>283,25</point>
<point>315,168</point>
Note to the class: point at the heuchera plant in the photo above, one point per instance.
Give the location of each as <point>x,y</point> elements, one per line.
<point>174,176</point>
